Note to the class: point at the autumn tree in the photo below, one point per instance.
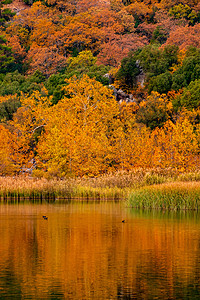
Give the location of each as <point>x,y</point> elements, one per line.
<point>83,63</point>
<point>179,144</point>
<point>45,59</point>
<point>117,47</point>
<point>26,124</point>
<point>7,164</point>
<point>86,63</point>
<point>185,36</point>
<point>140,11</point>
<point>79,132</point>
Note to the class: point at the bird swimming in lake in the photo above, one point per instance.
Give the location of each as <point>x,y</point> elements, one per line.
<point>45,217</point>
<point>123,221</point>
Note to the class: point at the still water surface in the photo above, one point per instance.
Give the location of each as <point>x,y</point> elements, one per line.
<point>84,251</point>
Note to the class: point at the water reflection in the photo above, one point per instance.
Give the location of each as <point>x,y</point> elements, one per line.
<point>84,251</point>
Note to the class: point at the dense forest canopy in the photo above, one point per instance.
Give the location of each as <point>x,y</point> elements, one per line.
<point>90,87</point>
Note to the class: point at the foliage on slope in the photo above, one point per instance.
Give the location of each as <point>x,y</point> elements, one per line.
<point>57,111</point>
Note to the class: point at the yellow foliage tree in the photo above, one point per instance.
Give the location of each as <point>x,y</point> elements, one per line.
<point>29,118</point>
<point>7,164</point>
<point>175,145</point>
<point>77,138</point>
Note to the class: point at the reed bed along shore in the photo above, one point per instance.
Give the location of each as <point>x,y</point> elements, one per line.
<point>171,196</point>
<point>121,185</point>
<point>113,186</point>
<point>20,188</point>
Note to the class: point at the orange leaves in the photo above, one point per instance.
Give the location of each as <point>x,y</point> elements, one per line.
<point>43,32</point>
<point>45,59</point>
<point>185,37</point>
<point>87,133</point>
<point>141,9</point>
<point>18,50</point>
<point>7,165</point>
<point>179,144</point>
<point>27,122</point>
<point>91,96</point>
<point>67,6</point>
<point>88,30</point>
<point>174,145</point>
<point>118,46</point>
<point>76,138</point>
<point>128,114</point>
<point>50,33</point>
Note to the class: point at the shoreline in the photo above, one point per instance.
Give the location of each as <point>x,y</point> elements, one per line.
<point>147,189</point>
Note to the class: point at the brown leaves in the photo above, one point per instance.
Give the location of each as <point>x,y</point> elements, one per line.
<point>45,59</point>
<point>118,46</point>
<point>185,37</point>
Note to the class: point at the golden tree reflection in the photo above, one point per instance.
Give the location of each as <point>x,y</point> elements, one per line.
<point>84,251</point>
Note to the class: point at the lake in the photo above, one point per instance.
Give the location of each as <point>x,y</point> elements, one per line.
<point>84,251</point>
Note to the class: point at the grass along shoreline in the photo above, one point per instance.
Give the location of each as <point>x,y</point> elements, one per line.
<point>164,189</point>
<point>20,188</point>
<point>105,187</point>
<point>171,196</point>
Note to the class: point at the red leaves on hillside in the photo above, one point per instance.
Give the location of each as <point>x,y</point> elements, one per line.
<point>185,37</point>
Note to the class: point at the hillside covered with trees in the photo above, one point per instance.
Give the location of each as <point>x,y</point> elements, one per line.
<point>91,87</point>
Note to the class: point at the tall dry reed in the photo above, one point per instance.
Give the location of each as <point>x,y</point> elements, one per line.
<point>110,186</point>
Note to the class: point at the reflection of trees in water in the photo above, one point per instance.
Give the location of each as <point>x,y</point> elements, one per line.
<point>153,276</point>
<point>136,292</point>
<point>190,290</point>
<point>88,253</point>
<point>154,281</point>
<point>10,286</point>
<point>193,288</point>
<point>9,282</point>
<point>55,293</point>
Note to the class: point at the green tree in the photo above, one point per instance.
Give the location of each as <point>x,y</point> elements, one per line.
<point>86,63</point>
<point>190,98</point>
<point>128,71</point>
<point>159,36</point>
<point>156,61</point>
<point>182,11</point>
<point>153,61</point>
<point>190,68</point>
<point>5,14</point>
<point>54,84</point>
<point>8,108</point>
<point>154,111</point>
<point>161,83</point>
<point>178,81</point>
<point>6,57</point>
<point>15,83</point>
